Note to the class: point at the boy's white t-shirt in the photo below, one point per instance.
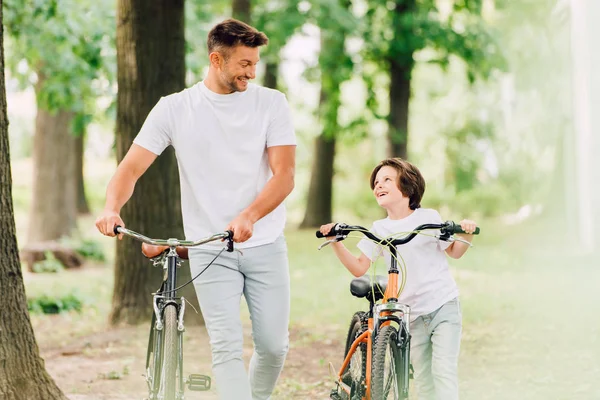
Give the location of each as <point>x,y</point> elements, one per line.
<point>221,145</point>
<point>429,283</point>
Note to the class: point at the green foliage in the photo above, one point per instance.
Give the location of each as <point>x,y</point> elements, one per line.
<point>395,31</point>
<point>464,155</point>
<point>200,16</point>
<point>64,48</point>
<point>46,304</point>
<point>279,21</point>
<point>91,250</point>
<point>49,264</point>
<point>335,64</point>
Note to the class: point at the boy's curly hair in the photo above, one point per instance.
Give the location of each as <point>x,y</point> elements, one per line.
<point>410,181</point>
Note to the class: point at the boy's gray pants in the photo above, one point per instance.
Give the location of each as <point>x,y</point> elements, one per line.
<point>261,274</point>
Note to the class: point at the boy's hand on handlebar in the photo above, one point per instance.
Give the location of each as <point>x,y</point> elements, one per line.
<point>107,221</point>
<point>325,229</point>
<point>468,226</point>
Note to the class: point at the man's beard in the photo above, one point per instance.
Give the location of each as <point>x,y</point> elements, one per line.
<point>232,83</point>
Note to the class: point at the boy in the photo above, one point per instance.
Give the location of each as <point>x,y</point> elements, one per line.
<point>430,290</point>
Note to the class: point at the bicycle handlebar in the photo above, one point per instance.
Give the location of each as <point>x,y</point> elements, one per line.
<point>228,235</point>
<point>447,228</point>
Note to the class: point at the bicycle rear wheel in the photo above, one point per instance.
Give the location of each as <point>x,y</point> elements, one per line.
<point>387,381</point>
<point>169,354</point>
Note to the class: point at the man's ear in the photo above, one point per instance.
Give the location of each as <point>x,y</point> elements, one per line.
<point>216,59</point>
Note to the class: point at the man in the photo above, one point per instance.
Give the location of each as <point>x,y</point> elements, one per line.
<point>235,147</point>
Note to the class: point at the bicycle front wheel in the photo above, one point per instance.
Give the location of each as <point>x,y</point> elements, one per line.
<point>170,354</point>
<point>387,380</point>
<point>355,373</point>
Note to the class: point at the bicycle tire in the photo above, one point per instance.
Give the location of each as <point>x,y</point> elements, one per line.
<point>382,384</point>
<point>154,359</point>
<point>170,353</point>
<point>349,375</point>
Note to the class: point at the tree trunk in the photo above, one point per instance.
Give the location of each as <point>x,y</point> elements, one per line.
<point>241,9</point>
<point>271,74</point>
<point>22,372</point>
<point>53,208</point>
<point>318,207</point>
<point>319,204</point>
<point>82,204</point>
<point>400,70</point>
<point>398,118</point>
<point>150,64</point>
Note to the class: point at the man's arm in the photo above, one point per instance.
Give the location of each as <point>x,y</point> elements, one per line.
<point>282,160</point>
<point>120,188</point>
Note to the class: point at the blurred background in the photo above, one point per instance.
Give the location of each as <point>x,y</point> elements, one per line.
<point>496,101</point>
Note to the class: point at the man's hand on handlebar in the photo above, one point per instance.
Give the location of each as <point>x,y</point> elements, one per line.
<point>107,221</point>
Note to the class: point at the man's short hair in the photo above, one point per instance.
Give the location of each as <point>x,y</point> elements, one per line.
<point>231,33</point>
<point>410,181</point>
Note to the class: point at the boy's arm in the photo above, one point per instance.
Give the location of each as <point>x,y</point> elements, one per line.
<point>357,266</point>
<point>458,249</point>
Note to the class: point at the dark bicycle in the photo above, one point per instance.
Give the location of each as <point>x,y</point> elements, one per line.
<point>377,356</point>
<point>164,360</point>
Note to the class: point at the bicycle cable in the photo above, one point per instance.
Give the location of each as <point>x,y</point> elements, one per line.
<point>194,278</point>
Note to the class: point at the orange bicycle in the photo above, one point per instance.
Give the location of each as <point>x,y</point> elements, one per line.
<point>377,356</point>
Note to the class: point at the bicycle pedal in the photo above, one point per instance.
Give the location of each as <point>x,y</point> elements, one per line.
<point>334,395</point>
<point>198,383</point>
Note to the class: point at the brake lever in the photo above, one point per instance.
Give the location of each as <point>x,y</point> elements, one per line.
<point>337,238</point>
<point>457,239</point>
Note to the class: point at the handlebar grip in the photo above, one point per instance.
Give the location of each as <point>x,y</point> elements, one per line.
<point>457,229</point>
<point>332,232</point>
<point>230,242</point>
<point>116,229</point>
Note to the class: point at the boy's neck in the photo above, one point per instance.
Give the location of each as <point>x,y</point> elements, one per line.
<point>399,212</point>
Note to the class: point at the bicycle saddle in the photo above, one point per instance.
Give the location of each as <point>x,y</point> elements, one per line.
<point>151,251</point>
<point>364,286</point>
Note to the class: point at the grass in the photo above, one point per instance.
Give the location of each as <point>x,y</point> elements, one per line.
<point>529,298</point>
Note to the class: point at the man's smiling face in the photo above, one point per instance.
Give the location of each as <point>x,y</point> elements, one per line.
<point>238,67</point>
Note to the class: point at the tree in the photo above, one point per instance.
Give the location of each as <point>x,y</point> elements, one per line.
<point>241,10</point>
<point>397,29</point>
<point>279,21</point>
<point>60,43</point>
<point>22,372</point>
<point>150,64</point>
<point>335,68</point>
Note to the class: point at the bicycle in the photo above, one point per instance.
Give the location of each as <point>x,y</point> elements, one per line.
<point>164,358</point>
<point>374,346</point>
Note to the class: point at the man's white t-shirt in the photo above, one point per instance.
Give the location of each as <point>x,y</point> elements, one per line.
<point>221,145</point>
<point>429,283</point>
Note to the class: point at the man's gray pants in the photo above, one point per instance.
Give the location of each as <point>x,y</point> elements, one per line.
<point>261,273</point>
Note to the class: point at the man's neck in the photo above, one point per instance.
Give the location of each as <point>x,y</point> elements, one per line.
<point>212,83</point>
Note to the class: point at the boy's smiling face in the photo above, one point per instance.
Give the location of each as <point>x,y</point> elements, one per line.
<point>386,189</point>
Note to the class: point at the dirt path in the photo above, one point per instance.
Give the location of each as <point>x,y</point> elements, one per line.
<point>109,365</point>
